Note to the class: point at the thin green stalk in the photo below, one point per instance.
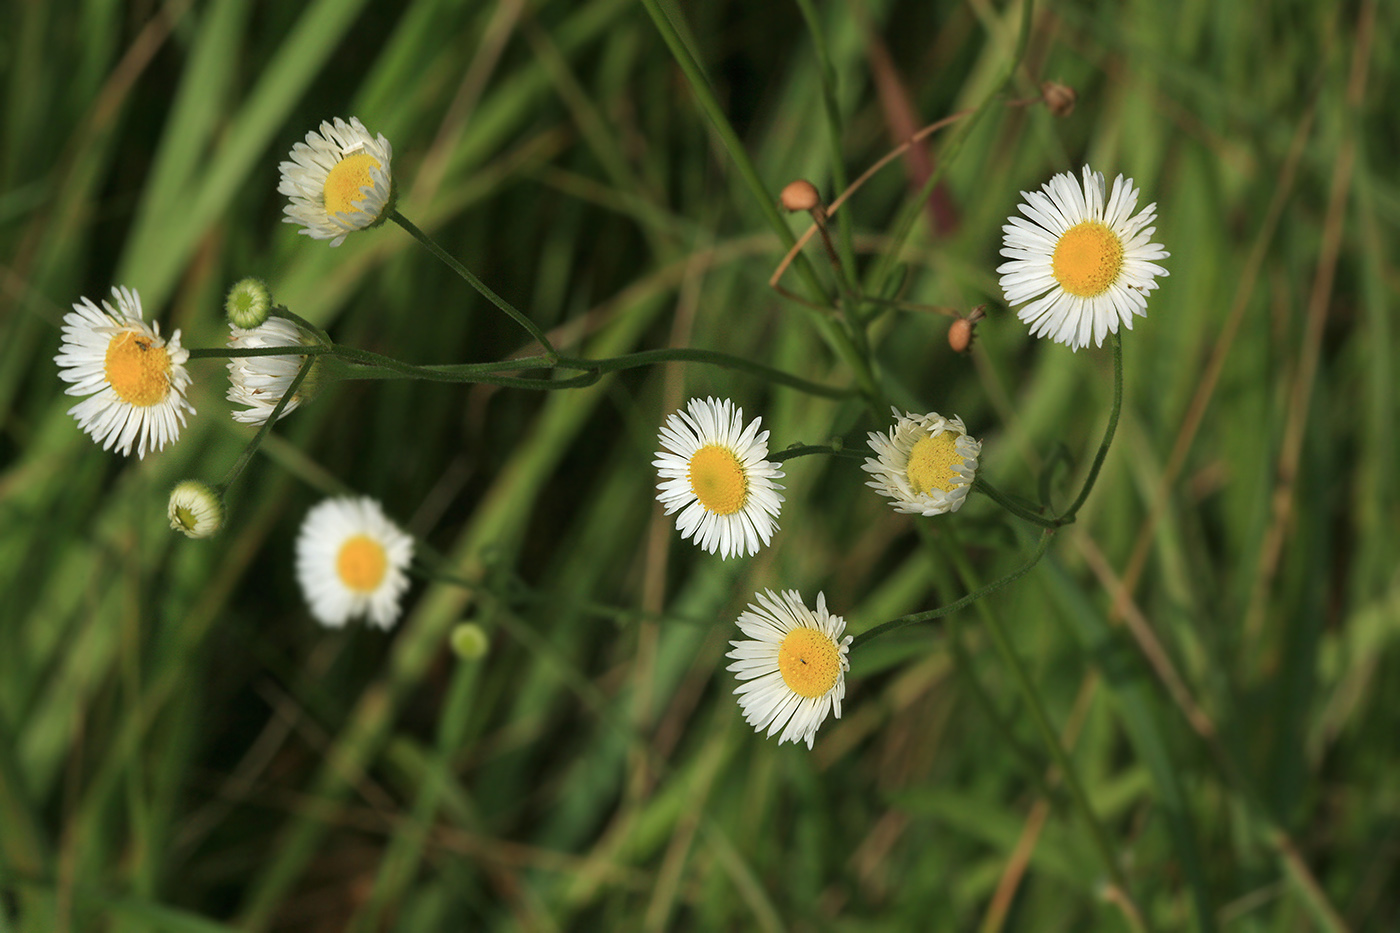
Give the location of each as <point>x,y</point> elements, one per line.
<point>713,358</point>
<point>1099,835</point>
<point>834,131</point>
<point>916,617</point>
<point>431,245</point>
<point>836,338</point>
<point>263,431</point>
<point>365,364</point>
<point>1069,513</point>
<point>807,450</point>
<point>1006,502</point>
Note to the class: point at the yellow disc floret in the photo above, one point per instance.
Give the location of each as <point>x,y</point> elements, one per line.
<point>931,463</point>
<point>361,563</point>
<point>809,661</point>
<point>1087,259</point>
<point>717,478</point>
<point>138,369</point>
<point>344,183</point>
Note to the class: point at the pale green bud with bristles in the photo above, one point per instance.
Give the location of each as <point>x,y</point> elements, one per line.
<point>248,303</point>
<point>196,509</point>
<point>469,641</point>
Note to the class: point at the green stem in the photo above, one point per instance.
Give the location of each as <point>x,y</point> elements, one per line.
<point>713,358</point>
<point>257,440</point>
<point>836,338</point>
<point>913,618</point>
<point>1047,473</point>
<point>1093,476</point>
<point>1006,502</point>
<point>476,283</point>
<point>832,109</point>
<point>954,552</point>
<point>807,450</point>
<point>295,349</point>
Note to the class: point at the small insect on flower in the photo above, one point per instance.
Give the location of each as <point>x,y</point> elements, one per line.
<point>1083,261</point>
<point>351,561</point>
<point>713,471</point>
<point>926,465</point>
<point>134,381</point>
<point>339,181</point>
<point>791,667</point>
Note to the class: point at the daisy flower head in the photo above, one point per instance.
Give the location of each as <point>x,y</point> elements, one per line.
<point>259,382</point>
<point>133,379</point>
<point>925,465</point>
<point>196,509</point>
<point>351,561</point>
<point>339,181</point>
<point>792,665</point>
<point>1083,261</point>
<point>713,471</point>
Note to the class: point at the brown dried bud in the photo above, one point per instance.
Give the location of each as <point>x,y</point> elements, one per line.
<point>961,331</point>
<point>1059,98</point>
<point>800,195</point>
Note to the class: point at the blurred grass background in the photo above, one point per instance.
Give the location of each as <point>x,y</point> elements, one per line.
<point>182,748</point>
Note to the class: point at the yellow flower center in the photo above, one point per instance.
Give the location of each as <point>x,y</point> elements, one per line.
<point>344,183</point>
<point>138,370</point>
<point>717,479</point>
<point>931,463</point>
<point>1087,259</point>
<point>361,563</point>
<point>809,661</point>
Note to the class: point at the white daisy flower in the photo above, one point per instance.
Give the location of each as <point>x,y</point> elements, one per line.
<point>134,380</point>
<point>1085,260</point>
<point>351,561</point>
<point>339,181</point>
<point>792,667</point>
<point>926,465</point>
<point>713,471</point>
<point>196,509</point>
<point>259,382</point>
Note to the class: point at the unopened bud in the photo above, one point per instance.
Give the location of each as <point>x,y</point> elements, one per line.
<point>469,641</point>
<point>962,330</point>
<point>800,195</point>
<point>1059,98</point>
<point>196,509</point>
<point>248,303</point>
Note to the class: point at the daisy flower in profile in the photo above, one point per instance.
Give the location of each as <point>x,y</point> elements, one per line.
<point>135,381</point>
<point>351,561</point>
<point>259,382</point>
<point>1084,258</point>
<point>339,181</point>
<point>791,667</point>
<point>713,472</point>
<point>925,465</point>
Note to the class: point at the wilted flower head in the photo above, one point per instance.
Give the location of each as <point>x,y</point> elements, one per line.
<point>925,465</point>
